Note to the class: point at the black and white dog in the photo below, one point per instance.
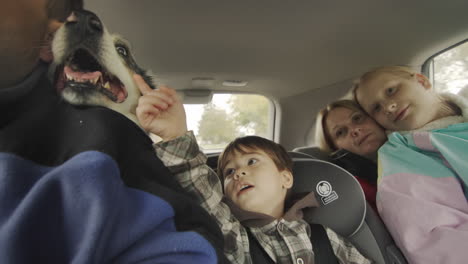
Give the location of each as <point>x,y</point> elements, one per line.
<point>93,67</point>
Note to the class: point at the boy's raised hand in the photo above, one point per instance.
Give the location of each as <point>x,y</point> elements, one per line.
<point>160,111</point>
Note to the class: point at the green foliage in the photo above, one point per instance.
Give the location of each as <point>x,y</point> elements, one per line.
<point>251,112</point>
<point>242,115</point>
<point>215,126</point>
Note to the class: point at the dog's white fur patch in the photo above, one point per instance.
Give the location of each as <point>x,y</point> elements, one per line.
<point>112,62</point>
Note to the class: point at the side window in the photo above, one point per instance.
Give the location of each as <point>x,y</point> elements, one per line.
<point>449,69</point>
<point>229,116</point>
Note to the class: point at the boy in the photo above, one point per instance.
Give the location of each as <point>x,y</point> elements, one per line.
<point>257,175</point>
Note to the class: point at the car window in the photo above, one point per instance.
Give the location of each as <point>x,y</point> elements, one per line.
<point>228,116</point>
<point>449,69</point>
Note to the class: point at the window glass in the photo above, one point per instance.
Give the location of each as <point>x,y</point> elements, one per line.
<point>229,116</point>
<point>450,69</point>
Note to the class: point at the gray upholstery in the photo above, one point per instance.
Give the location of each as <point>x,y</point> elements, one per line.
<point>313,151</point>
<point>348,214</point>
<point>294,154</point>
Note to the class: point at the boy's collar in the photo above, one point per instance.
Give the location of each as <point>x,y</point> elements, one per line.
<point>253,219</point>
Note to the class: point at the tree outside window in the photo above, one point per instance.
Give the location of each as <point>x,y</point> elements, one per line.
<point>229,116</point>
<point>451,69</point>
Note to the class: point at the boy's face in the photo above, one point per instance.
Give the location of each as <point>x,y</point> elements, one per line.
<point>253,182</point>
<point>355,131</point>
<point>398,103</point>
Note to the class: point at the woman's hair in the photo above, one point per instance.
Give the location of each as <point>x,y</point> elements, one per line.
<point>275,151</point>
<point>322,135</point>
<point>400,71</point>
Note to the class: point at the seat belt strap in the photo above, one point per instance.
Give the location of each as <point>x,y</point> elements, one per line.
<point>321,245</point>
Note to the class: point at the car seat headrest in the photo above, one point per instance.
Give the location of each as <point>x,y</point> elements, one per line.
<point>294,154</point>
<point>341,199</point>
<point>314,152</point>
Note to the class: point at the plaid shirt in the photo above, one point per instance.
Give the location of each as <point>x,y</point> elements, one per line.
<point>284,241</point>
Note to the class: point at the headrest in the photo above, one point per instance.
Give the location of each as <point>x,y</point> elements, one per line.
<point>314,152</point>
<point>294,154</point>
<point>342,202</point>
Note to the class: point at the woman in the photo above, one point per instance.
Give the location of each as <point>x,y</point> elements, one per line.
<point>352,139</point>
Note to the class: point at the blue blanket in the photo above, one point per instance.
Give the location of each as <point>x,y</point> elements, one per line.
<point>81,212</point>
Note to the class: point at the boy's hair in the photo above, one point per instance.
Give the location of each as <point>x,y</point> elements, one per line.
<point>400,71</point>
<point>275,151</point>
<point>322,135</point>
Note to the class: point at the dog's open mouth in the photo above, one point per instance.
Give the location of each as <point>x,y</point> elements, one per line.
<point>82,72</point>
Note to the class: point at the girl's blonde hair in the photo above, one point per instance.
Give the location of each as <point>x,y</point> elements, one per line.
<point>322,135</point>
<point>400,71</point>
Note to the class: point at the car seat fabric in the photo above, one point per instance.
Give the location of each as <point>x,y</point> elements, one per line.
<point>314,152</point>
<point>295,154</point>
<point>343,208</point>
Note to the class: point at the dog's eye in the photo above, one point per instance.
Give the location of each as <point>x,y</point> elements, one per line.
<point>122,51</point>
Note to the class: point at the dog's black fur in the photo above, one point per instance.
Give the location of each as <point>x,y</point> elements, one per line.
<point>93,67</point>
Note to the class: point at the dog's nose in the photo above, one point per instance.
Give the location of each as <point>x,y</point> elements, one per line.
<point>95,24</point>
<point>87,20</point>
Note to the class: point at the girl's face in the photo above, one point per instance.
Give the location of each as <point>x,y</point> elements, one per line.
<point>355,131</point>
<point>398,103</point>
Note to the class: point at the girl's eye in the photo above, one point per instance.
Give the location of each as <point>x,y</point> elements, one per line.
<point>229,172</point>
<point>391,90</point>
<point>252,161</point>
<point>122,50</point>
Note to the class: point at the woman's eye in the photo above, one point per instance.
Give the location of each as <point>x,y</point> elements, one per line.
<point>358,118</point>
<point>340,132</point>
<point>252,161</point>
<point>122,51</point>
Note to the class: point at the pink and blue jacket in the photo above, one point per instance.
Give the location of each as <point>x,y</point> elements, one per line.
<point>423,189</point>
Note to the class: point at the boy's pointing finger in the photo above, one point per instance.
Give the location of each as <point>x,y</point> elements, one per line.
<point>142,85</point>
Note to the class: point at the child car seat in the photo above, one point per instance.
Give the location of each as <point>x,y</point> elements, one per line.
<point>343,208</point>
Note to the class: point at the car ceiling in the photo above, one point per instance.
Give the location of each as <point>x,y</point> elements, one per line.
<point>281,48</point>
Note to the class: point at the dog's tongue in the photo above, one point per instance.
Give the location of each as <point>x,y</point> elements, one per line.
<point>119,92</point>
<point>82,75</point>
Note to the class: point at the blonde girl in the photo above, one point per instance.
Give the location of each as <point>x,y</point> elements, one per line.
<point>423,167</point>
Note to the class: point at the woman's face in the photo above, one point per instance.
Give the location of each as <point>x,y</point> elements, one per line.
<point>355,131</point>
